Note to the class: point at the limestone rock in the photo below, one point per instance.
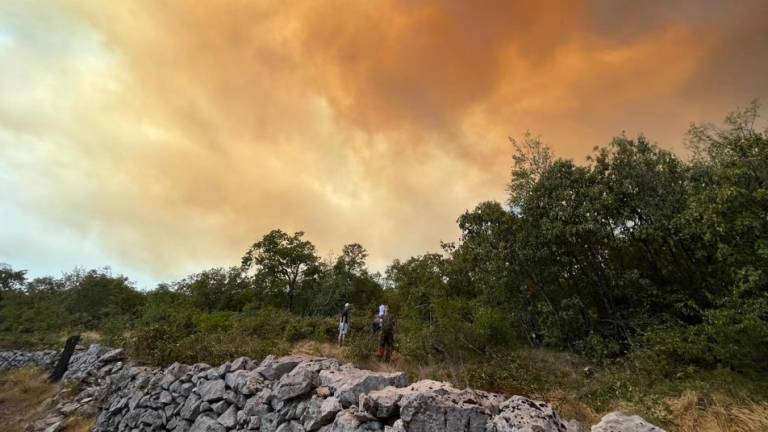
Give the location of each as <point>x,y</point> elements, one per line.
<point>212,391</point>
<point>319,412</point>
<point>523,414</point>
<point>229,418</point>
<point>349,383</point>
<point>620,422</point>
<point>296,383</point>
<point>273,368</point>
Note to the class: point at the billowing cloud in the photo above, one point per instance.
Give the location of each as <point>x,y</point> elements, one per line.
<point>168,136</point>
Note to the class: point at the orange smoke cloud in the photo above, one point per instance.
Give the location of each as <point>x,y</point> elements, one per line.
<point>192,128</point>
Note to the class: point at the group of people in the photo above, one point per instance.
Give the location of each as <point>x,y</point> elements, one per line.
<point>383,325</point>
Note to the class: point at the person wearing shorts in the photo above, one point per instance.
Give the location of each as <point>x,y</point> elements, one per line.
<point>344,323</point>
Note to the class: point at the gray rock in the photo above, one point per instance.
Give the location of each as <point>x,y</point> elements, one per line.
<point>207,424</point>
<point>191,408</point>
<point>273,368</point>
<point>220,407</point>
<point>236,379</point>
<point>296,383</point>
<point>112,355</point>
<point>291,426</point>
<point>523,414</point>
<point>242,363</point>
<point>397,426</point>
<point>212,391</point>
<point>347,422</point>
<point>229,418</point>
<point>381,403</point>
<point>151,418</point>
<point>349,383</point>
<point>620,422</point>
<point>319,412</point>
<point>165,397</point>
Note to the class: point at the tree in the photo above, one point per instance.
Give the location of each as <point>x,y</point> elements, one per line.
<point>217,289</point>
<point>287,259</point>
<point>11,279</point>
<point>352,259</point>
<point>530,161</point>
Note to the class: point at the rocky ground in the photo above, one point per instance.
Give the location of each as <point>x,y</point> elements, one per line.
<point>285,394</point>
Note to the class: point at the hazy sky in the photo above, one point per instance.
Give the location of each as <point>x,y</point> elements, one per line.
<point>165,137</point>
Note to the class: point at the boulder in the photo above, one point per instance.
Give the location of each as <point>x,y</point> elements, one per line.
<point>112,355</point>
<point>212,391</point>
<point>522,414</point>
<point>273,368</point>
<point>229,418</point>
<point>620,422</point>
<point>431,405</point>
<point>295,383</point>
<point>348,383</point>
<point>191,408</point>
<point>319,412</point>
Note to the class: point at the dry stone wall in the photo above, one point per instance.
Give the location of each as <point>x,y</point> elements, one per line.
<point>292,394</point>
<point>19,359</point>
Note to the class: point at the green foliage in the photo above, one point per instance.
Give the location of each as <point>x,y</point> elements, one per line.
<point>284,260</point>
<point>653,267</point>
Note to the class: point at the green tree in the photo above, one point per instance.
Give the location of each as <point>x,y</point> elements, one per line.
<point>217,289</point>
<point>285,259</point>
<point>10,279</point>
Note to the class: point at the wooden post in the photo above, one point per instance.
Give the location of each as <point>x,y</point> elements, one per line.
<point>63,363</point>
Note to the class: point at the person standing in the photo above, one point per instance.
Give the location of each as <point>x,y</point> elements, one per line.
<point>344,323</point>
<point>387,339</point>
<point>382,309</point>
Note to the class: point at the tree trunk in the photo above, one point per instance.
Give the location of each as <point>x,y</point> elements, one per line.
<point>63,363</point>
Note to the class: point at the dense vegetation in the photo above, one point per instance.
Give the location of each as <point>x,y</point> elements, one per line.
<point>651,266</point>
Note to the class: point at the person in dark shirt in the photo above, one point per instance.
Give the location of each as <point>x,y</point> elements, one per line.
<point>344,323</point>
<point>387,338</point>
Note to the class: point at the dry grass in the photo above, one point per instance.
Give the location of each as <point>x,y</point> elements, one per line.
<point>80,424</point>
<point>25,395</point>
<point>22,392</point>
<point>692,412</point>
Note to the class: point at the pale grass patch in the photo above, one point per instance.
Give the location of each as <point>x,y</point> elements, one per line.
<point>22,392</point>
<point>692,412</point>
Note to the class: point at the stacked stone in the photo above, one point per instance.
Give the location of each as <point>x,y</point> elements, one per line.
<point>305,394</point>
<point>294,393</point>
<point>18,359</point>
<point>290,394</point>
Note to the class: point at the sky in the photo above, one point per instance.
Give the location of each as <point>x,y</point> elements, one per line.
<point>164,138</point>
